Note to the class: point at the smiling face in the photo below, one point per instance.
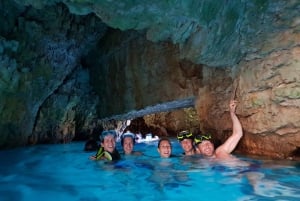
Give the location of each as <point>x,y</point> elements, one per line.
<point>109,143</point>
<point>187,146</point>
<point>164,149</point>
<point>128,145</point>
<point>206,148</point>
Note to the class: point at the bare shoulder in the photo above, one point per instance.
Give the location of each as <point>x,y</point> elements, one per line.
<point>222,154</point>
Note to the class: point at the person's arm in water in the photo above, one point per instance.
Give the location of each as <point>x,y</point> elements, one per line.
<point>237,132</point>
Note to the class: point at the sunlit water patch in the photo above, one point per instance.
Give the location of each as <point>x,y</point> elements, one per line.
<point>64,172</point>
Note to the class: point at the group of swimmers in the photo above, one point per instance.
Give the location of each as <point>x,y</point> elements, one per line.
<point>108,151</point>
<point>191,145</point>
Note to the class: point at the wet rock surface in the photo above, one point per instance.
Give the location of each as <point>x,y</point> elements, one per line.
<point>68,66</point>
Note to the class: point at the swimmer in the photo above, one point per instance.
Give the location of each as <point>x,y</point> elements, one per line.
<point>164,148</point>
<point>206,147</point>
<point>108,150</point>
<point>128,142</point>
<point>186,141</point>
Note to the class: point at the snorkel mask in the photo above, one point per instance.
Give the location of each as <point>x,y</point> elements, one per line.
<point>184,135</point>
<point>199,138</point>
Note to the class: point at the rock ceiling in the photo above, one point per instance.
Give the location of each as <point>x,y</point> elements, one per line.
<point>211,32</point>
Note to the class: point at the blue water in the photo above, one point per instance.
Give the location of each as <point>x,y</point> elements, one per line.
<point>64,172</point>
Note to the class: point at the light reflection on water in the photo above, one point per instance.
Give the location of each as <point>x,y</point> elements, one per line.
<point>64,172</point>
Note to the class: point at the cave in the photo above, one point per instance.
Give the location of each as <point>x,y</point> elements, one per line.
<point>69,67</point>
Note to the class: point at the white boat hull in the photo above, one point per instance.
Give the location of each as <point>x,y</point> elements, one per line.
<point>148,138</point>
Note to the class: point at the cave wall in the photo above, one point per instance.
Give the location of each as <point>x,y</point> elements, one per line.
<point>267,88</point>
<point>211,32</point>
<point>256,55</point>
<point>61,67</point>
<point>268,93</point>
<point>44,88</point>
<point>129,72</point>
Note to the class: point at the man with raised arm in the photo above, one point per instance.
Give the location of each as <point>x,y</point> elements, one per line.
<point>206,147</point>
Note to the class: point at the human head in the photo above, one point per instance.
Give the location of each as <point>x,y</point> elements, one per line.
<point>184,135</point>
<point>108,140</point>
<point>200,137</point>
<point>164,147</point>
<point>127,142</point>
<point>204,145</point>
<point>186,141</point>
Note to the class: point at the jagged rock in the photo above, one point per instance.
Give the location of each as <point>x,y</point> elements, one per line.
<point>60,71</point>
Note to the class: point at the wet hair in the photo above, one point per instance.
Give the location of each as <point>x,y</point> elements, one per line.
<point>127,134</point>
<point>163,139</point>
<point>106,133</point>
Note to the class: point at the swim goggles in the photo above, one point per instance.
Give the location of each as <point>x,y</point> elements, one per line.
<point>106,133</point>
<point>199,138</point>
<point>184,135</point>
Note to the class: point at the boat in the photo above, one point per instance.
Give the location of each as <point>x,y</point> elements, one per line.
<point>148,138</point>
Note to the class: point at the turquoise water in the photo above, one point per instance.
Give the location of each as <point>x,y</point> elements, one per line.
<point>64,172</point>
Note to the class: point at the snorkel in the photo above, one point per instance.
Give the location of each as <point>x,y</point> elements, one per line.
<point>107,148</point>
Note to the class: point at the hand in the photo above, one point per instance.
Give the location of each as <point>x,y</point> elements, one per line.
<point>232,106</point>
<point>92,158</point>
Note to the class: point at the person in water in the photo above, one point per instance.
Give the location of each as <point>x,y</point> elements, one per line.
<point>107,150</point>
<point>164,148</point>
<point>128,142</point>
<point>206,147</point>
<point>186,139</point>
<point>198,139</point>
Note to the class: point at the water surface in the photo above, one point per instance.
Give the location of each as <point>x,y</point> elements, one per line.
<point>64,172</point>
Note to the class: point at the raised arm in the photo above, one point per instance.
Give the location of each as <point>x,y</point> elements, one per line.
<point>237,132</point>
